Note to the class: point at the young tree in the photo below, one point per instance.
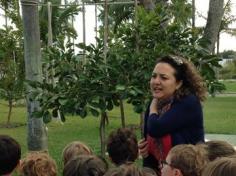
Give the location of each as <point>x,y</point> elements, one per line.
<point>11,56</point>
<point>11,70</point>
<point>37,136</point>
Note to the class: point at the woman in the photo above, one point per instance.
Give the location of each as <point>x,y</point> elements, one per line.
<point>175,113</point>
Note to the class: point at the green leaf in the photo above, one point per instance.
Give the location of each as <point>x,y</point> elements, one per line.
<point>83,113</point>
<point>37,114</point>
<point>94,112</point>
<point>47,117</point>
<point>54,113</point>
<point>63,101</point>
<point>109,105</point>
<point>120,87</point>
<point>63,119</point>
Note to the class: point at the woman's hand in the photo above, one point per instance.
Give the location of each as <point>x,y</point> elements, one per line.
<point>153,107</point>
<point>143,148</point>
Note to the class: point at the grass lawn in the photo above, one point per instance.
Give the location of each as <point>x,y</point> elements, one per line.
<point>230,85</point>
<point>219,115</point>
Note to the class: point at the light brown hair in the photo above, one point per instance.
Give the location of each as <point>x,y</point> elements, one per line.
<point>38,164</point>
<point>85,165</point>
<point>218,148</point>
<point>221,167</point>
<point>130,169</point>
<point>188,158</point>
<point>74,149</point>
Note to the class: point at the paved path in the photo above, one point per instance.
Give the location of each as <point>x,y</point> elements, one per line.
<point>229,94</point>
<point>229,138</point>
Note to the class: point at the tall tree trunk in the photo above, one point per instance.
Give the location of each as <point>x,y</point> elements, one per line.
<point>37,136</point>
<point>84,29</point>
<point>96,24</point>
<point>193,13</point>
<point>215,14</point>
<point>122,113</point>
<point>5,11</point>
<point>105,30</point>
<point>136,24</point>
<point>218,44</point>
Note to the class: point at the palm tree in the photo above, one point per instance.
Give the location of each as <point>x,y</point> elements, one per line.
<point>37,135</point>
<point>215,15</point>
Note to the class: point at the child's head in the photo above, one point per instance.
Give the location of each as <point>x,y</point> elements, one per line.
<point>122,146</point>
<point>221,167</point>
<point>85,165</point>
<point>130,169</point>
<point>38,164</point>
<point>10,153</point>
<point>218,148</point>
<point>185,160</point>
<point>74,149</point>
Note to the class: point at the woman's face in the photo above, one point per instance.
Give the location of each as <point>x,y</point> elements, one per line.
<point>163,83</point>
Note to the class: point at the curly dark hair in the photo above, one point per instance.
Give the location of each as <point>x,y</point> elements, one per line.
<point>122,146</point>
<point>185,71</point>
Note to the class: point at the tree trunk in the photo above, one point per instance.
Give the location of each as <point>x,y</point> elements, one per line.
<point>136,24</point>
<point>37,136</point>
<point>147,4</point>
<point>215,14</point>
<point>84,29</point>
<point>150,5</point>
<point>96,24</point>
<point>102,133</point>
<point>193,13</point>
<point>5,10</point>
<point>9,112</point>
<point>142,123</point>
<point>105,30</point>
<point>122,113</point>
<point>218,44</point>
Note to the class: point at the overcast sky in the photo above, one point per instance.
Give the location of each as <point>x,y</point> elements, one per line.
<point>227,41</point>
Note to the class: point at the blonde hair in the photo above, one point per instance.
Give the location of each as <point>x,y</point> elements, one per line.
<point>188,158</point>
<point>74,149</point>
<point>38,164</point>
